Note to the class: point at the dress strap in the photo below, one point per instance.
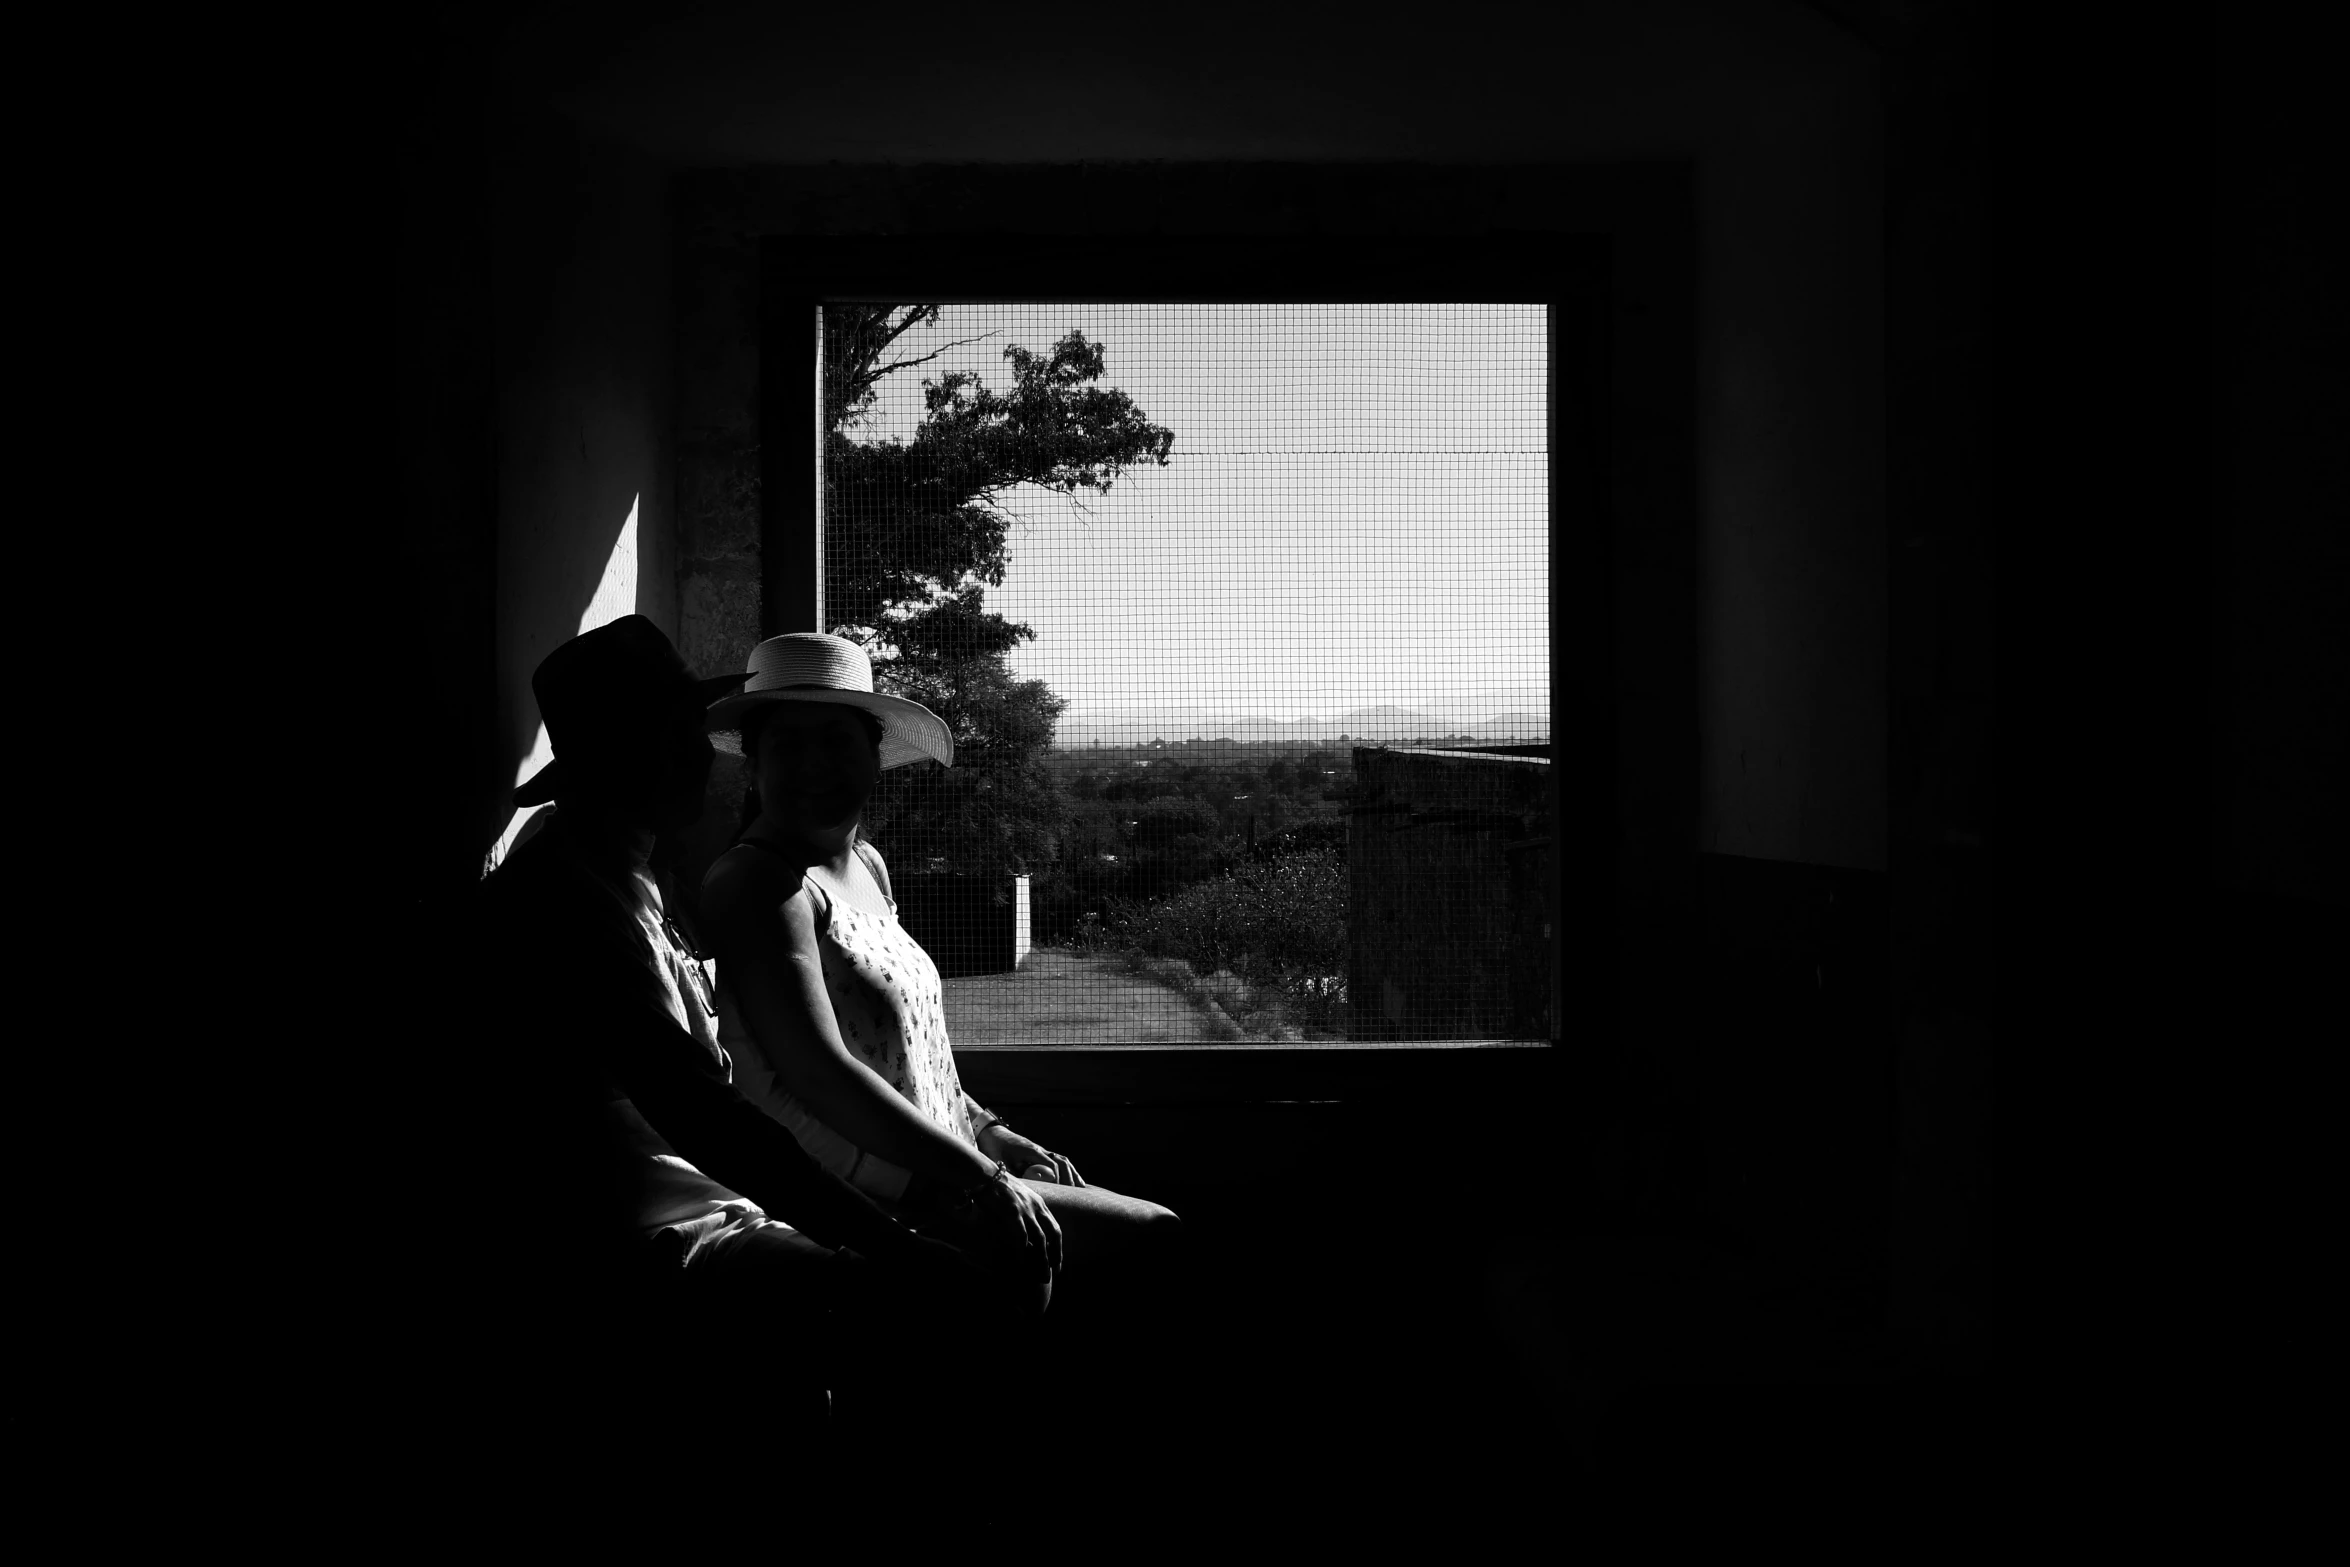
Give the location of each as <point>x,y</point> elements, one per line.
<point>872,858</point>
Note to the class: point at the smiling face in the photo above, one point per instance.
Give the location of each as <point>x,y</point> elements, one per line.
<point>817,763</point>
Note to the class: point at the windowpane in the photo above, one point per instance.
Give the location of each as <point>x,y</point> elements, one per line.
<point>1240,616</point>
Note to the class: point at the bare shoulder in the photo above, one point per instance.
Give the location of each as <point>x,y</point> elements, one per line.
<point>749,887</point>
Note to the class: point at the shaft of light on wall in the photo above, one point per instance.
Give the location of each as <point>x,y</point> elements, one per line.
<point>614,597</point>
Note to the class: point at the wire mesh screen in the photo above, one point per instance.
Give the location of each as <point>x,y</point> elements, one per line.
<point>1239,616</point>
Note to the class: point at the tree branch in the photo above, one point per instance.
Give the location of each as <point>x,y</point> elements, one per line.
<point>914,316</point>
<point>906,364</point>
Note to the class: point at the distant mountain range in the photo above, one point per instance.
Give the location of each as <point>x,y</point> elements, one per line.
<point>1386,723</point>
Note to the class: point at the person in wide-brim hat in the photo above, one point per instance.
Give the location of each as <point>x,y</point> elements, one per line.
<point>623,713</point>
<point>858,1063</point>
<point>815,667</point>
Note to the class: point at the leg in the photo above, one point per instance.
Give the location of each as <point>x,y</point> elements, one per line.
<point>1102,1228</point>
<point>759,1301</point>
<point>788,1313</point>
<point>1123,1269</point>
<point>1120,1339</point>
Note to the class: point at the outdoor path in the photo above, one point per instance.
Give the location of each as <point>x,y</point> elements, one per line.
<point>1060,998</point>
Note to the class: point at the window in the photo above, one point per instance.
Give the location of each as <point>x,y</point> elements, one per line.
<point>1241,609</point>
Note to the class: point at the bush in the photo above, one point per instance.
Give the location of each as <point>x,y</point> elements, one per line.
<point>1269,940</point>
<point>1325,833</point>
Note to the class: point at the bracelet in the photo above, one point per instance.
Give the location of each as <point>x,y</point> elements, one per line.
<point>992,1120</point>
<point>966,1197</point>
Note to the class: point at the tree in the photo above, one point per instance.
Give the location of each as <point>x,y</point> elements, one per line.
<point>915,532</point>
<point>998,810</point>
<point>1174,841</point>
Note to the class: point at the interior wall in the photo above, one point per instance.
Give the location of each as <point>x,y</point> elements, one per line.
<point>581,284</point>
<point>2281,681</point>
<point>1792,557</point>
<point>437,362</point>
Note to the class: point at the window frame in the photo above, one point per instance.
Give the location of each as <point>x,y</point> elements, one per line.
<point>1566,272</point>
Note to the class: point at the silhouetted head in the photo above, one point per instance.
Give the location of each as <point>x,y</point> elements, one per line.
<point>624,716</point>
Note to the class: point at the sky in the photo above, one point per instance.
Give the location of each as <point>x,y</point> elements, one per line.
<point>1354,513</point>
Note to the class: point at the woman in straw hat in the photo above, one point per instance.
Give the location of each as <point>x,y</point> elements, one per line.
<point>833,1013</point>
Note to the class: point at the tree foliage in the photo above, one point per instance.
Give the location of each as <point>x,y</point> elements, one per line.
<point>916,531</point>
<point>998,809</point>
<point>909,521</point>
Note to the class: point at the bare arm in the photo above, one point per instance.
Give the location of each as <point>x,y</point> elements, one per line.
<point>762,929</point>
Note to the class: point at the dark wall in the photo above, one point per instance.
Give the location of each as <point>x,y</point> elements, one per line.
<point>439,339</point>
<point>2281,692</point>
<point>530,331</point>
<point>2165,743</point>
<point>2278,570</point>
<point>1912,1024</point>
<point>580,273</point>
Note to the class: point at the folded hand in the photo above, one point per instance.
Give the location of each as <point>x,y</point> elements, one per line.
<point>1026,1158</point>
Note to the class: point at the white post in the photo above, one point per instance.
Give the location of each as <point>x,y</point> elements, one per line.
<point>1020,941</point>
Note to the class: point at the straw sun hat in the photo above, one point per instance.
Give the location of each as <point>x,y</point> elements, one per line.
<point>812,666</point>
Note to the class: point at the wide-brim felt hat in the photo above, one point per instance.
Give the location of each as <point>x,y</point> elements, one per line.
<point>815,666</point>
<point>606,693</point>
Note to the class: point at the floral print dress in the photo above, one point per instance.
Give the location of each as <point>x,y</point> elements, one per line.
<point>889,1003</point>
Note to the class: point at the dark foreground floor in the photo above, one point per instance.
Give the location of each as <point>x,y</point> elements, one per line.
<point>1433,1369</point>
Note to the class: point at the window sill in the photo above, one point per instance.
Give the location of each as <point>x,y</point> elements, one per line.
<point>1242,1074</point>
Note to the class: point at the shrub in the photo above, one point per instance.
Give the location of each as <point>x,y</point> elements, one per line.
<point>1269,938</point>
<point>1326,833</point>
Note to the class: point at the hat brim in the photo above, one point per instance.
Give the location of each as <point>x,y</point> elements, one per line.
<point>547,782</point>
<point>910,732</point>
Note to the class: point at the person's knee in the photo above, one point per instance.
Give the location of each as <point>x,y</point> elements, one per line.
<point>1145,1247</point>
<point>1022,1303</point>
<point>1005,1297</point>
<point>1162,1226</point>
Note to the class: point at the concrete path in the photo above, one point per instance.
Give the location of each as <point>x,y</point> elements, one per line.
<point>1059,998</point>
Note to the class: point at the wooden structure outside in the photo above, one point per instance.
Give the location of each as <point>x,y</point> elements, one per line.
<point>1450,856</point>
